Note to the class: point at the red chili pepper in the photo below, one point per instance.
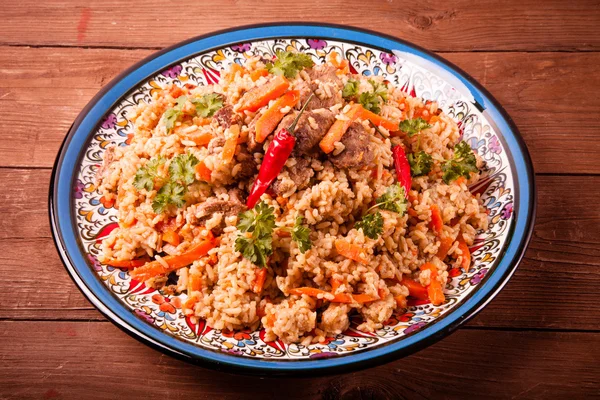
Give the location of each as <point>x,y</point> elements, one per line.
<point>275,157</point>
<point>402,168</point>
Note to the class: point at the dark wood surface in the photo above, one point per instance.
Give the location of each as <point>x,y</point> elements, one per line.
<point>540,338</point>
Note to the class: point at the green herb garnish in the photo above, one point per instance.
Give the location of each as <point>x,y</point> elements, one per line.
<point>289,63</point>
<point>372,100</point>
<point>420,163</point>
<point>413,126</point>
<point>208,105</point>
<point>182,169</point>
<point>301,235</point>
<point>260,222</point>
<point>171,193</point>
<point>393,199</point>
<point>462,163</point>
<point>380,89</point>
<point>146,176</point>
<point>371,225</point>
<point>350,89</point>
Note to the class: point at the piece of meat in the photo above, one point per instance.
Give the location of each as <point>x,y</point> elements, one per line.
<point>299,175</point>
<point>236,195</point>
<point>246,159</point>
<point>226,117</point>
<point>358,151</point>
<point>311,128</point>
<point>326,74</point>
<point>215,143</point>
<point>108,158</point>
<point>206,210</point>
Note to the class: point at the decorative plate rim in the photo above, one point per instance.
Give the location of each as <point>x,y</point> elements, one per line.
<point>60,205</point>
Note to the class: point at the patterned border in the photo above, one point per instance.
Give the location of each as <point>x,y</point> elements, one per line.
<point>95,218</point>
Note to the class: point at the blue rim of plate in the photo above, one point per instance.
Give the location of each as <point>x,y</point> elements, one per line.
<point>71,252</point>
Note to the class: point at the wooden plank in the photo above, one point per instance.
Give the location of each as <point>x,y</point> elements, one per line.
<point>490,364</point>
<point>554,287</point>
<point>486,25</point>
<point>43,90</point>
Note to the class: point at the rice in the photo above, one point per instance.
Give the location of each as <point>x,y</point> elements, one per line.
<point>300,296</point>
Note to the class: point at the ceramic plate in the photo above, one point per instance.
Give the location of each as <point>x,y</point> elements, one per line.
<point>80,217</point>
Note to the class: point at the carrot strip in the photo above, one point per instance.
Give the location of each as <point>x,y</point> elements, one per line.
<point>127,263</point>
<point>445,245</point>
<point>261,95</point>
<point>332,58</point>
<point>194,283</point>
<point>204,172</point>
<point>230,143</point>
<point>337,298</point>
<point>270,119</point>
<point>415,289</point>
<point>156,268</point>
<point>436,292</point>
<point>339,127</point>
<point>233,70</point>
<point>201,139</point>
<point>255,75</point>
<point>466,254</point>
<point>379,120</point>
<point>259,282</point>
<point>335,284</point>
<point>351,251</point>
<point>401,301</point>
<point>171,237</point>
<point>437,223</point>
<point>412,212</point>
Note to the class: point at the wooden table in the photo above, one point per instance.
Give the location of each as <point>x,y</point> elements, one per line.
<point>538,339</point>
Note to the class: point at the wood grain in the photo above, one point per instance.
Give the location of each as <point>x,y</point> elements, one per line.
<point>553,287</point>
<point>552,98</point>
<point>457,25</point>
<point>486,364</point>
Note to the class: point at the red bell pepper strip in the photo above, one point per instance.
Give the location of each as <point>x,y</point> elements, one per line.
<point>402,168</point>
<point>277,154</point>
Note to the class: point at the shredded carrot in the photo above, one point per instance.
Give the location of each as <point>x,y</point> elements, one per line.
<point>156,268</point>
<point>351,251</point>
<point>339,127</point>
<point>261,95</point>
<point>436,293</point>
<point>415,289</point>
<point>337,298</point>
<point>379,120</point>
<point>204,172</point>
<point>332,59</point>
<point>460,180</point>
<point>127,263</point>
<point>191,302</point>
<point>202,121</point>
<point>233,70</point>
<point>271,118</point>
<point>171,237</point>
<point>401,301</point>
<point>434,119</point>
<point>194,283</point>
<point>259,282</point>
<point>201,139</point>
<point>335,284</point>
<point>445,245</point>
<point>466,254</point>
<point>230,143</point>
<point>255,75</point>
<point>283,233</point>
<point>437,224</point>
<point>411,211</point>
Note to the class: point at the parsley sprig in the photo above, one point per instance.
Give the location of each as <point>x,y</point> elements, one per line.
<point>420,163</point>
<point>413,126</point>
<point>208,105</point>
<point>350,89</point>
<point>392,200</point>
<point>371,225</point>
<point>462,163</point>
<point>173,187</point>
<point>147,176</point>
<point>289,63</point>
<point>301,235</point>
<point>259,223</point>
<point>372,100</point>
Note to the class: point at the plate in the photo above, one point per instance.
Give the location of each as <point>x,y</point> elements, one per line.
<point>80,217</point>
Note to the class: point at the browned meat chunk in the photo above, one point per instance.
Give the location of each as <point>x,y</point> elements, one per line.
<point>326,75</point>
<point>299,175</point>
<point>206,210</point>
<point>246,159</point>
<point>216,144</point>
<point>358,151</point>
<point>311,128</point>
<point>226,117</point>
